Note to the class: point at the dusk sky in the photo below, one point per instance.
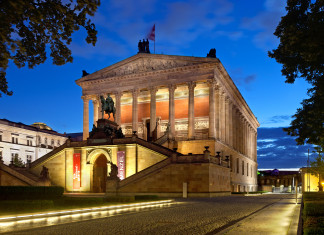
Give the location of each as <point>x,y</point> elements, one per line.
<point>241,32</point>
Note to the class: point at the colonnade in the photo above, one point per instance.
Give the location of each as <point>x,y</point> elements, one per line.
<point>227,123</point>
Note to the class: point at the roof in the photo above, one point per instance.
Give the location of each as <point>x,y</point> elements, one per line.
<point>37,127</point>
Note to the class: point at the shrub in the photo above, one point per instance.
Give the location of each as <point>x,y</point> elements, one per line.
<point>313,196</point>
<point>30,192</point>
<point>313,208</point>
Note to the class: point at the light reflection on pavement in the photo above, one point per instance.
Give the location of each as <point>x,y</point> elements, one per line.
<point>18,225</point>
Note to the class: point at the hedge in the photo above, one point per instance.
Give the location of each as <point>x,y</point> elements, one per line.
<point>30,192</point>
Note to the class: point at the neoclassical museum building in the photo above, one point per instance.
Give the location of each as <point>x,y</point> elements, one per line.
<point>188,131</point>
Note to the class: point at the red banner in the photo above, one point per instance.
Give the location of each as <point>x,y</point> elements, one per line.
<point>121,164</point>
<point>76,170</point>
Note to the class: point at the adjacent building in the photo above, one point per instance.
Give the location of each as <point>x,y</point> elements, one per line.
<point>27,142</point>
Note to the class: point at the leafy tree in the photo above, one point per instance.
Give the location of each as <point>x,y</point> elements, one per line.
<point>28,27</point>
<point>17,161</point>
<point>301,52</point>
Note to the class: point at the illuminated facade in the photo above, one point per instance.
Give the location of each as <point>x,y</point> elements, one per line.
<point>194,96</point>
<point>28,142</point>
<point>310,181</point>
<point>189,132</point>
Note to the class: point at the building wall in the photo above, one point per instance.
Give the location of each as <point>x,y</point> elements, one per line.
<point>309,182</point>
<point>56,167</point>
<point>162,109</point>
<point>60,165</point>
<point>203,179</point>
<point>241,180</point>
<point>26,143</point>
<point>9,180</point>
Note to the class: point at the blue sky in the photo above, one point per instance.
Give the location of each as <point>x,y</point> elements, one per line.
<point>241,32</point>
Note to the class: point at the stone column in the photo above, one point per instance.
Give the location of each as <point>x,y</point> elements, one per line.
<point>153,91</point>
<point>95,103</point>
<point>227,122</point>
<point>222,117</point>
<point>212,131</point>
<point>118,96</point>
<point>135,93</point>
<point>85,117</point>
<point>217,112</point>
<point>230,123</point>
<point>191,110</point>
<point>255,145</point>
<point>172,88</point>
<point>234,126</point>
<point>241,133</point>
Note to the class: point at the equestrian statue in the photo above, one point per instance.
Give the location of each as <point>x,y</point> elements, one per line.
<point>107,106</point>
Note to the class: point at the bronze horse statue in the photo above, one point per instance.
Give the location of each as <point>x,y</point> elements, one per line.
<point>108,106</point>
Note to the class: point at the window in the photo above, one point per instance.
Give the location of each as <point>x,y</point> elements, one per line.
<point>29,158</point>
<point>242,167</point>
<point>52,142</point>
<point>237,165</point>
<point>39,140</point>
<point>0,155</point>
<point>247,169</point>
<point>46,140</point>
<point>14,140</point>
<point>251,171</point>
<point>29,142</point>
<point>58,142</point>
<point>0,136</point>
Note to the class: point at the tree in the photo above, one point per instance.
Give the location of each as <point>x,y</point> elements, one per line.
<point>301,52</point>
<point>28,27</point>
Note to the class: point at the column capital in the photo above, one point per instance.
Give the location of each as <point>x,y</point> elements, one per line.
<point>212,83</point>
<point>135,92</point>
<point>153,90</point>
<point>117,93</point>
<point>191,85</point>
<point>172,87</point>
<point>85,98</point>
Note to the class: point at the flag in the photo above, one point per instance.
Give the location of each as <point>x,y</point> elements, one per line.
<point>151,34</point>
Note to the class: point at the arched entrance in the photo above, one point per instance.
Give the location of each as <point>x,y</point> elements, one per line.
<point>100,174</point>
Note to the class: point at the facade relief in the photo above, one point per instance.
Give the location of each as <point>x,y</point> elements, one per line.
<point>146,65</point>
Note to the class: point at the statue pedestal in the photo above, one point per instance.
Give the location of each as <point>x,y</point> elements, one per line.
<point>111,187</point>
<point>105,130</point>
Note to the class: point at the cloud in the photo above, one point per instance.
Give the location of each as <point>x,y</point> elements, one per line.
<point>279,119</point>
<point>178,23</point>
<point>265,23</point>
<point>242,79</point>
<point>278,150</point>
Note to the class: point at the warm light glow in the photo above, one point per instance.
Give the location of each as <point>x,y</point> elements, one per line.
<point>77,212</point>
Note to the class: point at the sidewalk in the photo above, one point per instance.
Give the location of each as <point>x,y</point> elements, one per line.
<point>280,218</point>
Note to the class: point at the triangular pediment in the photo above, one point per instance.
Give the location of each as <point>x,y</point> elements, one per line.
<point>142,63</point>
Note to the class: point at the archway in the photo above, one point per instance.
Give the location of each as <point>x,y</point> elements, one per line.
<point>100,174</point>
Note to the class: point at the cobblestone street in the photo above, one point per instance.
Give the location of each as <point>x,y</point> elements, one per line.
<point>189,216</point>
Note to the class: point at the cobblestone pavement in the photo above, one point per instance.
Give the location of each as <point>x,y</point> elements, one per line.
<point>189,216</point>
